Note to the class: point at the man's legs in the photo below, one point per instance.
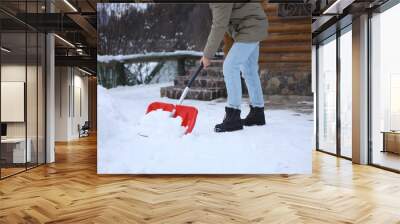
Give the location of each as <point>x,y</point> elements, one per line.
<point>252,79</point>
<point>237,57</point>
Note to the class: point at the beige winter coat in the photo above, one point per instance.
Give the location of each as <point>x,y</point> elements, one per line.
<point>244,22</point>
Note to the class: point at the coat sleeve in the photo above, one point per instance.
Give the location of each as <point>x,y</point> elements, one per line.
<point>221,13</point>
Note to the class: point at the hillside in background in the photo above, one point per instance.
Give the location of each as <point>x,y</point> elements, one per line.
<point>151,27</point>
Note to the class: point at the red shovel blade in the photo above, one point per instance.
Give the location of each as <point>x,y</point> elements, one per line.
<point>187,113</point>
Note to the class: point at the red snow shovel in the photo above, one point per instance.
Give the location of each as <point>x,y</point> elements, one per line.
<point>187,113</point>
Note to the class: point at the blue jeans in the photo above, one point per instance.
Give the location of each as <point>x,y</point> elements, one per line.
<point>243,57</point>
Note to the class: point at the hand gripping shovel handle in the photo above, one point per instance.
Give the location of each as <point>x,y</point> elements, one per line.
<point>186,90</point>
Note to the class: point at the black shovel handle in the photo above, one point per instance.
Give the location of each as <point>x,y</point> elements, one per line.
<point>194,76</point>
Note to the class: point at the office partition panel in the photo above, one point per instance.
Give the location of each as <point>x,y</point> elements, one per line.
<point>31,100</point>
<point>346,92</point>
<point>41,96</point>
<point>327,95</point>
<point>15,147</point>
<point>385,89</point>
<point>23,88</point>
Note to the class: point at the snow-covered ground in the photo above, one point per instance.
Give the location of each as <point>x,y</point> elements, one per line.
<point>282,146</point>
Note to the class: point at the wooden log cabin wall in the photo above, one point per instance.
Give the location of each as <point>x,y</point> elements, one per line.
<point>285,56</point>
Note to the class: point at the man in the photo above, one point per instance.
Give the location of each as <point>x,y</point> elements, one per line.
<point>247,24</point>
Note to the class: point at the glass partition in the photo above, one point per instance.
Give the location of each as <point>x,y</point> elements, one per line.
<point>41,88</point>
<point>41,96</point>
<point>346,93</point>
<point>14,153</point>
<point>22,77</point>
<point>32,95</point>
<point>327,95</point>
<point>385,89</point>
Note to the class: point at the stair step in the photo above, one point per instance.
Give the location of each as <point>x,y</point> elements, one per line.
<point>213,72</point>
<point>193,93</point>
<point>216,63</point>
<point>201,82</point>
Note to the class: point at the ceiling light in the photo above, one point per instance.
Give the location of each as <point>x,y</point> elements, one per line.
<point>64,40</point>
<point>5,50</point>
<point>70,5</point>
<point>84,71</point>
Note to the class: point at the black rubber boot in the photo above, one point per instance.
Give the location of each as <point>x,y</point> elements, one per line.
<point>255,117</point>
<point>231,122</point>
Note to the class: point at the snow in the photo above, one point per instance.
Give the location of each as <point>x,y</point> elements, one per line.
<point>166,74</point>
<point>141,6</point>
<point>160,124</point>
<point>282,146</point>
<point>142,69</point>
<point>110,58</point>
<point>120,8</point>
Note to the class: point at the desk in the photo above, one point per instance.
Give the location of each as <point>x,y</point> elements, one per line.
<point>18,150</point>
